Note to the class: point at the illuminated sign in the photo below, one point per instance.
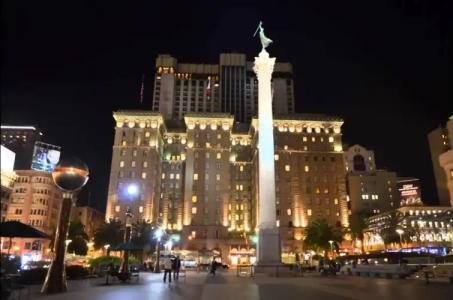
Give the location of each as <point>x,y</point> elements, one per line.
<point>7,159</point>
<point>409,192</point>
<point>45,157</point>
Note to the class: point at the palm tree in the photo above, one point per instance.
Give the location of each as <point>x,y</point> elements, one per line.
<point>388,233</point>
<point>78,237</point>
<point>110,233</point>
<point>319,233</point>
<point>357,226</point>
<point>144,237</point>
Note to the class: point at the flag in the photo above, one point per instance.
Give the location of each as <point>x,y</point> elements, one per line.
<point>208,88</point>
<point>142,88</point>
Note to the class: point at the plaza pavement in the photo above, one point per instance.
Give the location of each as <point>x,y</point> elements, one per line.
<point>225,285</point>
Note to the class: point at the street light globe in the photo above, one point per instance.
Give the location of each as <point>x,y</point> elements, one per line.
<point>159,233</point>
<point>399,231</point>
<point>70,174</point>
<point>132,189</point>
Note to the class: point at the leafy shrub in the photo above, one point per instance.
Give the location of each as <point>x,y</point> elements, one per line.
<point>33,276</point>
<point>76,272</point>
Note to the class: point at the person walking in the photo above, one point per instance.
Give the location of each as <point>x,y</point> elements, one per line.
<point>213,267</point>
<point>167,268</point>
<point>176,266</point>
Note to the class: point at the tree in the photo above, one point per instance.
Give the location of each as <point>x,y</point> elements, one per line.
<point>144,237</point>
<point>388,233</point>
<point>319,233</point>
<point>78,237</point>
<point>110,233</point>
<point>357,226</point>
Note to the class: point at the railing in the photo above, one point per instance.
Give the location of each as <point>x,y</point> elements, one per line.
<point>245,270</point>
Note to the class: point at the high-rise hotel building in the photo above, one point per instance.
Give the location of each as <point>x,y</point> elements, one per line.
<point>229,87</point>
<point>200,179</point>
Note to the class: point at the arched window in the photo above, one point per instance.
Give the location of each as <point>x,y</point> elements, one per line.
<point>359,163</point>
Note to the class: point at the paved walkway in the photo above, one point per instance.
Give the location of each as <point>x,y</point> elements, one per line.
<point>227,286</point>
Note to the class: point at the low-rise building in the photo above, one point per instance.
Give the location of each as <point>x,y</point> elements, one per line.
<point>91,218</point>
<point>418,226</point>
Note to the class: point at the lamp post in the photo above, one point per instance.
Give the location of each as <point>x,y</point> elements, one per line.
<point>158,235</point>
<point>69,175</point>
<point>331,246</point>
<point>106,247</point>
<point>124,268</point>
<point>132,191</point>
<point>400,232</point>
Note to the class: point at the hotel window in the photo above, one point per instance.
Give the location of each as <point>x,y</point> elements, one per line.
<point>219,155</point>
<point>207,154</point>
<point>195,176</point>
<point>134,152</point>
<point>123,152</point>
<point>147,134</point>
<point>194,199</point>
<point>313,139</point>
<point>276,157</point>
<point>122,164</point>
<point>287,168</point>
<point>123,143</point>
<point>309,212</point>
<point>133,163</point>
<point>163,175</point>
<point>288,211</point>
<point>194,210</point>
<point>330,139</point>
<point>145,164</point>
<point>307,168</point>
<point>217,177</point>
<point>318,191</point>
<point>143,175</point>
<point>219,136</point>
<point>172,176</point>
<point>335,201</point>
<point>121,174</point>
<point>208,145</point>
<point>140,209</point>
<point>177,176</point>
<point>304,139</point>
<point>241,168</point>
<point>117,208</point>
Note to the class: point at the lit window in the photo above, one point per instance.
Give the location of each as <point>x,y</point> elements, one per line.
<point>172,176</point>
<point>117,208</point>
<point>143,175</point>
<point>194,199</point>
<point>335,201</point>
<point>276,157</point>
<point>241,168</point>
<point>147,134</point>
<point>194,210</point>
<point>145,164</point>
<point>217,177</point>
<point>208,145</point>
<point>177,176</point>
<point>313,139</point>
<point>133,163</point>
<point>163,175</point>
<point>219,136</point>
<point>318,191</point>
<point>304,139</point>
<point>219,155</point>
<point>287,168</point>
<point>122,164</point>
<point>307,168</point>
<point>241,187</point>
<point>140,209</point>
<point>330,139</point>
<point>195,176</point>
<point>309,212</point>
<point>288,211</point>
<point>285,147</point>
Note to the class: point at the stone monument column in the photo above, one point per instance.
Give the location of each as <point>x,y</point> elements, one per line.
<point>269,249</point>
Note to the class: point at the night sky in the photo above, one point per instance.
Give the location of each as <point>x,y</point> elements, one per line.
<point>383,66</point>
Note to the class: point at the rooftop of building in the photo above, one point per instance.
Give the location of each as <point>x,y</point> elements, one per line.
<point>309,117</point>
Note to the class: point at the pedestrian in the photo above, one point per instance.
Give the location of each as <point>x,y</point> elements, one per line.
<point>213,267</point>
<point>176,267</point>
<point>167,268</point>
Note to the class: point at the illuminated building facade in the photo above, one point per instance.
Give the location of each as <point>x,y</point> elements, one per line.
<point>229,86</point>
<point>90,218</point>
<point>7,179</point>
<point>446,161</point>
<point>370,191</point>
<point>421,226</point>
<point>35,200</point>
<point>21,140</point>
<point>200,179</point>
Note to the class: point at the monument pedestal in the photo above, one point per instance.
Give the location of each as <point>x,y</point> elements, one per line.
<point>269,249</point>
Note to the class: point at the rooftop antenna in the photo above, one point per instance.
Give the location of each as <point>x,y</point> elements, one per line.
<point>142,88</point>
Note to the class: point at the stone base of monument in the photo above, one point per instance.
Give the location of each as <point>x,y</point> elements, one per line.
<point>269,254</point>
